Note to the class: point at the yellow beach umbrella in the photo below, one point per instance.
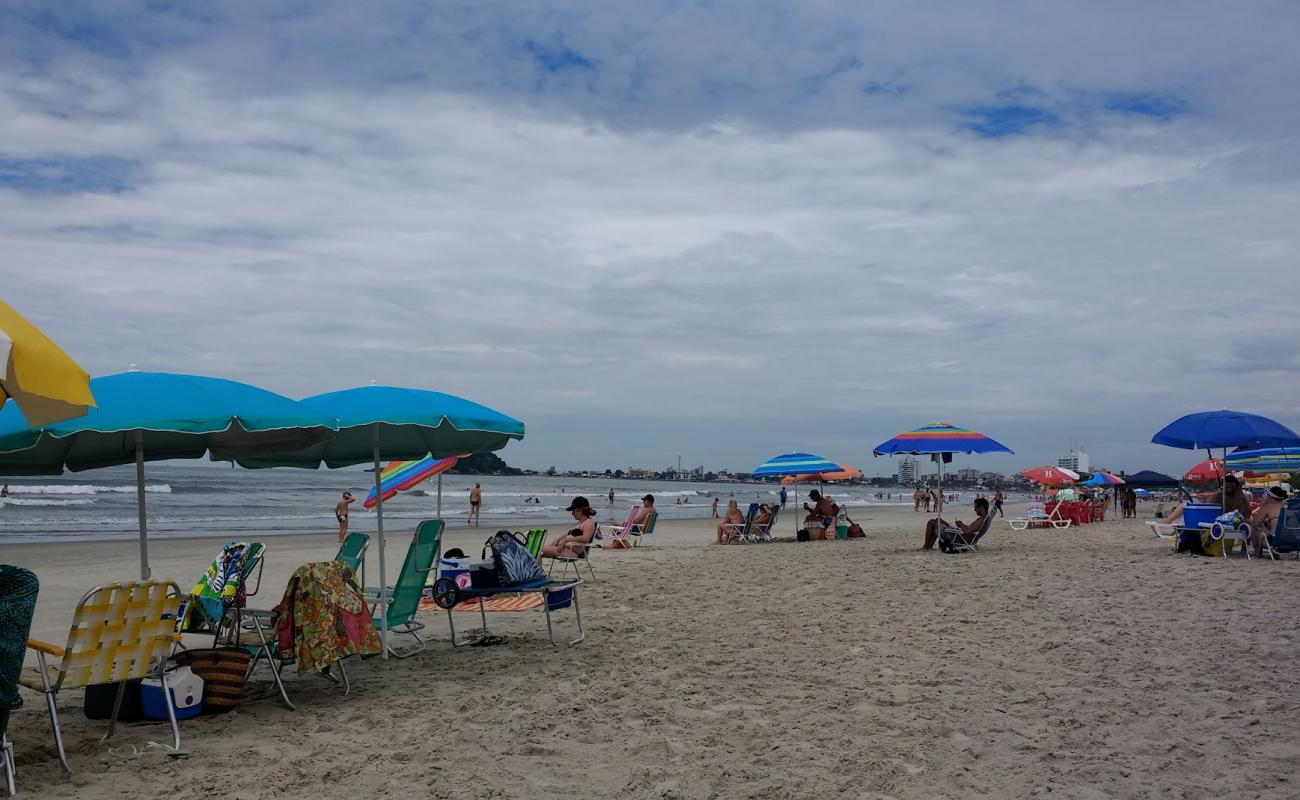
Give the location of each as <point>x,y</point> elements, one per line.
<point>45,383</point>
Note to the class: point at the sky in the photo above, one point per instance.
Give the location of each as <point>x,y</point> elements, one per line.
<point>655,229</point>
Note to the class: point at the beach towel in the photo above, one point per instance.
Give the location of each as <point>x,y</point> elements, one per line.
<point>519,602</point>
<point>323,617</point>
<point>222,585</point>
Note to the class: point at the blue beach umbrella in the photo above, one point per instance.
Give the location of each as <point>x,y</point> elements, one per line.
<point>1223,429</point>
<point>151,416</point>
<point>378,422</point>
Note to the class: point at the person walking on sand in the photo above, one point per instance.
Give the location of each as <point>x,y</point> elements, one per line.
<point>997,502</point>
<point>341,513</point>
<point>475,503</point>
<point>715,508</point>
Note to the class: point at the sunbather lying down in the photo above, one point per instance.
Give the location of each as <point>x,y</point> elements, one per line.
<point>934,526</point>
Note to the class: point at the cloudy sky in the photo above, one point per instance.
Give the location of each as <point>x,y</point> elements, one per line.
<point>722,230</point>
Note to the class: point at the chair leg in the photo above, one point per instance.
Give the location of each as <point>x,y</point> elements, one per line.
<point>117,709</point>
<point>171,708</point>
<point>7,756</point>
<point>58,734</point>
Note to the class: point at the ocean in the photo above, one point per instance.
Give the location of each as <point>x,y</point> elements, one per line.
<point>187,501</point>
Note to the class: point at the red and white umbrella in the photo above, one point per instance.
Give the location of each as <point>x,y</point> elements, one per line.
<point>1208,471</point>
<point>1051,476</point>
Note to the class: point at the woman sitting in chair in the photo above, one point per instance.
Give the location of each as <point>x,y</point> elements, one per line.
<point>731,524</point>
<point>935,526</point>
<point>573,544</point>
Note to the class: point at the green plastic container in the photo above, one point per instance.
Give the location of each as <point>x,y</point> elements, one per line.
<point>841,531</point>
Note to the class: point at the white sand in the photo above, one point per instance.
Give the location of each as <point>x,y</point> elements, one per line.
<point>1072,664</point>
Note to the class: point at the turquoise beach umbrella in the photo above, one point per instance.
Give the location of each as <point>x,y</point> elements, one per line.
<point>378,422</point>
<point>151,416</point>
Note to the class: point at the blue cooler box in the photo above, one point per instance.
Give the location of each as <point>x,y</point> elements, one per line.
<point>1196,513</point>
<point>187,695</point>
<point>457,569</point>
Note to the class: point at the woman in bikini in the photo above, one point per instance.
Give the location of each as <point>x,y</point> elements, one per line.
<point>573,543</point>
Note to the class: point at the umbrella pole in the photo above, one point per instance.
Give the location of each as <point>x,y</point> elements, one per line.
<point>439,495</point>
<point>139,505</point>
<point>383,578</point>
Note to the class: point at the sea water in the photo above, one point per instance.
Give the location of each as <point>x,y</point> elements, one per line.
<point>189,500</point>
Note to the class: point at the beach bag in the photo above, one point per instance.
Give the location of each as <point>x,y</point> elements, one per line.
<point>514,563</point>
<point>802,535</point>
<point>856,532</point>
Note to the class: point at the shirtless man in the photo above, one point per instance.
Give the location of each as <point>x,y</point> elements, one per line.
<point>341,513</point>
<point>475,502</point>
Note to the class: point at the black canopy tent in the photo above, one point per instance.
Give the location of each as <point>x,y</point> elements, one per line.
<point>1147,479</point>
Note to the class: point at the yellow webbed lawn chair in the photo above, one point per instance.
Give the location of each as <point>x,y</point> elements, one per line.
<point>118,633</point>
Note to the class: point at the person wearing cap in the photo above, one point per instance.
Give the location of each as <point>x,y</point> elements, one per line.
<point>1264,521</point>
<point>647,510</point>
<point>573,543</point>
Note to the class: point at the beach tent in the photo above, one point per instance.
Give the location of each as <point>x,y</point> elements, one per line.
<point>152,416</point>
<point>1148,479</point>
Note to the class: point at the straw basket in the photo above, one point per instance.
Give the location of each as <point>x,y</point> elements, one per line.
<point>222,670</point>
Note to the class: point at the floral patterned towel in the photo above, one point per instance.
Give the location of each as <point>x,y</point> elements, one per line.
<point>323,617</point>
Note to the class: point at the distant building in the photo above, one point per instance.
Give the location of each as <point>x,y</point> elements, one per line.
<point>908,470</point>
<point>1076,459</point>
<point>968,474</point>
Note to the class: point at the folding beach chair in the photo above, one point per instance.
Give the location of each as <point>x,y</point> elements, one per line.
<point>1036,516</point>
<point>119,632</point>
<point>583,557</point>
<point>18,589</point>
<point>640,532</point>
<point>536,538</point>
<point>740,531</point>
<point>955,540</point>
<point>352,552</point>
<point>405,594</point>
<point>762,531</point>
<point>620,535</point>
<point>1286,532</point>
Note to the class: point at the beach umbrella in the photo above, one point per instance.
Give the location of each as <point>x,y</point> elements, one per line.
<point>845,473</point>
<point>400,476</point>
<point>397,422</point>
<point>1207,430</point>
<point>1051,476</point>
<point>788,464</point>
<point>1103,478</point>
<point>37,375</point>
<point>1149,479</point>
<point>1208,471</point>
<point>1266,459</point>
<point>151,416</point>
<point>939,440</point>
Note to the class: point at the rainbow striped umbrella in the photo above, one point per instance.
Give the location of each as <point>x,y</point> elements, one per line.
<point>399,476</point>
<point>939,437</point>
<point>939,440</point>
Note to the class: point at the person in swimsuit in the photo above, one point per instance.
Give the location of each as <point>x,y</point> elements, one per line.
<point>731,524</point>
<point>341,513</point>
<point>475,501</point>
<point>997,502</point>
<point>573,543</point>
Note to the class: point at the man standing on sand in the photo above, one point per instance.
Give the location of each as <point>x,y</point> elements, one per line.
<point>611,495</point>
<point>783,497</point>
<point>475,502</point>
<point>341,513</point>
<point>997,502</point>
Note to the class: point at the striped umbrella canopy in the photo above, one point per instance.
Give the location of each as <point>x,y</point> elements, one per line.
<point>846,473</point>
<point>400,476</point>
<point>1267,459</point>
<point>795,464</point>
<point>939,437</point>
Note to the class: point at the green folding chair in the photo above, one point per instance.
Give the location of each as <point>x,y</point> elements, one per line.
<point>352,552</point>
<point>405,594</point>
<point>535,540</point>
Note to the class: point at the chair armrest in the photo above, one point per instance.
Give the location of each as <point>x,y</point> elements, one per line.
<point>47,648</point>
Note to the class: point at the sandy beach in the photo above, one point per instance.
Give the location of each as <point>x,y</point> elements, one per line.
<point>1075,664</point>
